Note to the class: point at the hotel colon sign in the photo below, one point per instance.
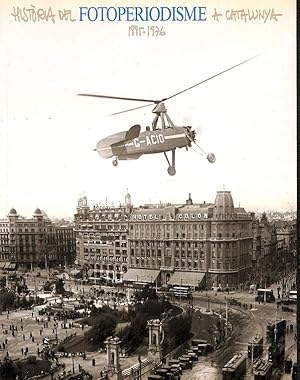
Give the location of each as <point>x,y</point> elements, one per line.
<point>200,245</point>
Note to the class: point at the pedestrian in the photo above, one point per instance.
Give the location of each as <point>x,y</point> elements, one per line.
<point>23,336</point>
<point>22,351</point>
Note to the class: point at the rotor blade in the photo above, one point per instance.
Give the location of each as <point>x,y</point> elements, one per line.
<point>120,98</point>
<point>131,109</point>
<point>205,80</point>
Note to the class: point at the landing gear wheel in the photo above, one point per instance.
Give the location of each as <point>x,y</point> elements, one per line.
<point>115,162</point>
<point>211,158</point>
<point>171,170</point>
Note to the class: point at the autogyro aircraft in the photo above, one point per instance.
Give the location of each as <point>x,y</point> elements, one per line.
<point>131,144</point>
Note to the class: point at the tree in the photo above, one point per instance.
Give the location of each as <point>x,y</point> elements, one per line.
<point>47,286</point>
<point>103,327</point>
<point>6,299</point>
<point>8,370</point>
<point>59,287</point>
<point>132,336</point>
<point>145,294</point>
<point>178,330</point>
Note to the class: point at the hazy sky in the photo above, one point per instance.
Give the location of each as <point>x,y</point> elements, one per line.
<point>246,117</point>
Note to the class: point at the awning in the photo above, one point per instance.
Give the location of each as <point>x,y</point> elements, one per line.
<point>11,266</point>
<point>187,278</point>
<point>141,275</point>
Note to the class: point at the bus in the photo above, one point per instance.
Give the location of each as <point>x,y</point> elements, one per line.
<point>265,295</point>
<point>181,291</point>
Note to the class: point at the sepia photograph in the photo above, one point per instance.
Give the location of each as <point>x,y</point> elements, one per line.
<point>148,190</point>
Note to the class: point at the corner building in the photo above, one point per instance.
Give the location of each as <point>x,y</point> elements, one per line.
<point>27,243</point>
<point>202,245</point>
<point>101,239</point>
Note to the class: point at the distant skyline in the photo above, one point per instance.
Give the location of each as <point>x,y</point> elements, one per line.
<point>247,116</point>
<point>110,202</point>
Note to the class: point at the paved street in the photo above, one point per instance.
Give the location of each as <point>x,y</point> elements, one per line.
<point>246,323</point>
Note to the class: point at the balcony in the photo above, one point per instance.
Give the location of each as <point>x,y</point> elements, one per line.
<point>222,271</point>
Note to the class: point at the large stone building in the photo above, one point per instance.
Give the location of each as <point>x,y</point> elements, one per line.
<point>198,244</point>
<point>206,245</point>
<point>101,239</point>
<point>65,244</point>
<point>264,241</point>
<point>274,249</point>
<point>27,243</point>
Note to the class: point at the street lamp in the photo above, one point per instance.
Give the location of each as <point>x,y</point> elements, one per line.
<point>73,366</point>
<point>180,289</point>
<point>140,368</point>
<point>208,303</point>
<point>55,326</point>
<point>226,315</point>
<point>254,308</point>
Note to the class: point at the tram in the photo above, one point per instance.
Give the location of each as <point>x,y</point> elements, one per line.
<point>255,346</point>
<point>235,368</point>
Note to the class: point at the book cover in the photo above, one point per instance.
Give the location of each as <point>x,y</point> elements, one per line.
<point>171,104</point>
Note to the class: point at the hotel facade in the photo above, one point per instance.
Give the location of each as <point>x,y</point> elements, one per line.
<point>202,245</point>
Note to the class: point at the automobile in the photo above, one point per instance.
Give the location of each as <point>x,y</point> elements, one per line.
<point>192,355</point>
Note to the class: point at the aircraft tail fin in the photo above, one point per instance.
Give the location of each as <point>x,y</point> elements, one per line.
<point>133,132</point>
